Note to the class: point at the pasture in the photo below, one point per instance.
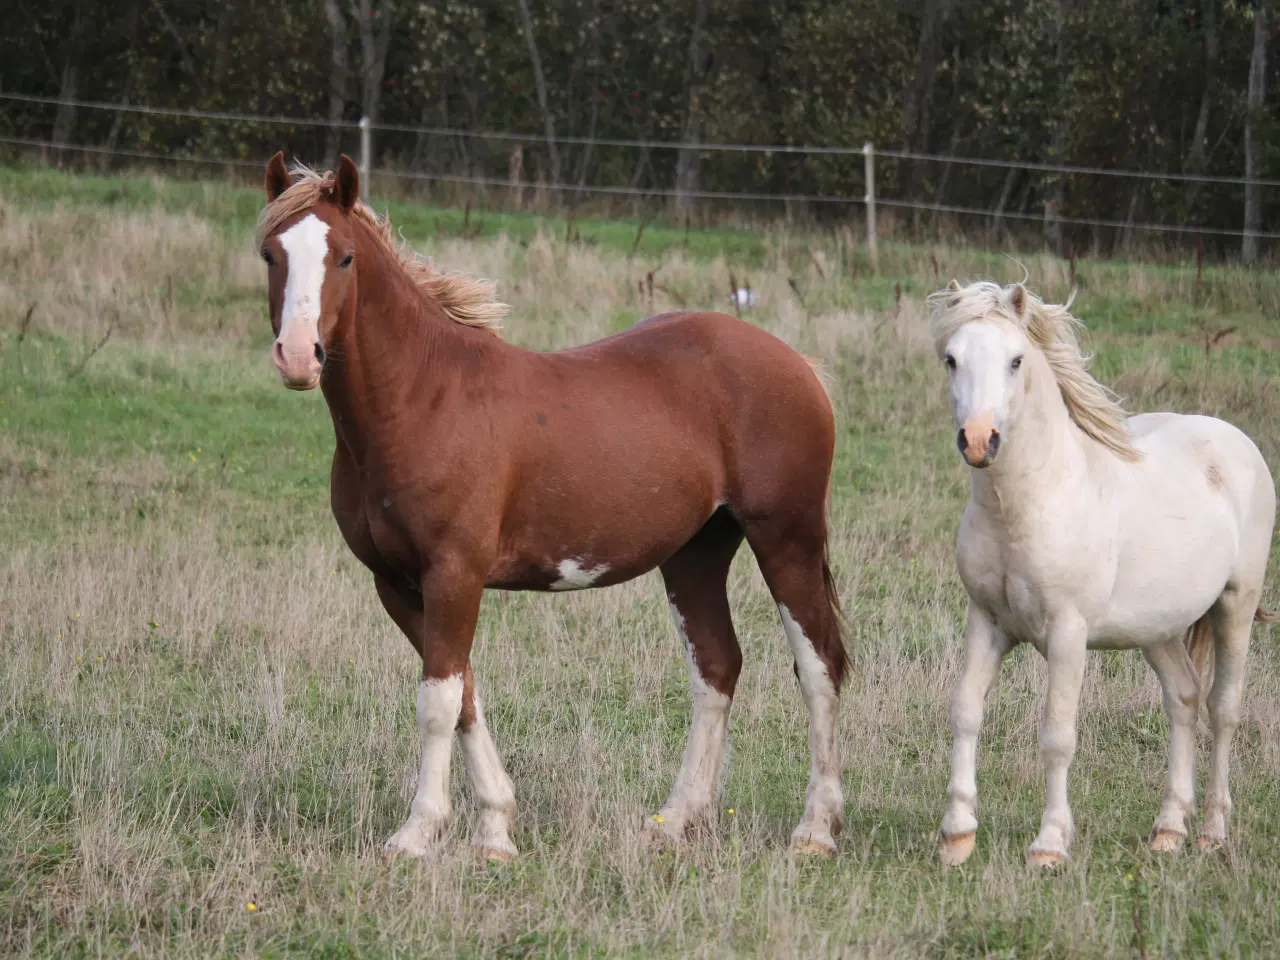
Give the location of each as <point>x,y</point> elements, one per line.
<point>206,719</point>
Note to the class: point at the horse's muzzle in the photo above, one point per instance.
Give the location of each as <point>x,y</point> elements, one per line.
<point>979,444</point>
<point>299,365</point>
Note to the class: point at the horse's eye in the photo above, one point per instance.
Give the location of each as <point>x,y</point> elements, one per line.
<point>1017,362</point>
<point>266,258</point>
<point>950,361</point>
<point>346,261</point>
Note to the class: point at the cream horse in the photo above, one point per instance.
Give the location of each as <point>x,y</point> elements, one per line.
<point>1087,530</point>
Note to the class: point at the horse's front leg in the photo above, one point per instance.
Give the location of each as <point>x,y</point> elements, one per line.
<point>1065,652</point>
<point>450,601</point>
<point>985,646</point>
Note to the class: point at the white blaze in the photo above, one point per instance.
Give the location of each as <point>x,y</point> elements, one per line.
<point>305,245</point>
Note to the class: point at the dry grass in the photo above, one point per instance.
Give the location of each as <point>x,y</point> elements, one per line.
<point>204,706</point>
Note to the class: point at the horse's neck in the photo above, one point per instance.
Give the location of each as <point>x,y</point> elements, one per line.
<point>1046,461</point>
<point>392,355</point>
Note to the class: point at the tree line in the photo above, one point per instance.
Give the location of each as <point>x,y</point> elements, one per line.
<point>1170,86</point>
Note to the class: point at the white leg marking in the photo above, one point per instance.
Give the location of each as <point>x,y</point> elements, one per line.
<point>574,576</point>
<point>824,802</point>
<point>494,793</point>
<point>694,795</point>
<point>439,703</point>
<point>306,246</point>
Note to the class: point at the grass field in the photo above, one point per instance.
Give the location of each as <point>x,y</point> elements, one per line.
<point>206,720</point>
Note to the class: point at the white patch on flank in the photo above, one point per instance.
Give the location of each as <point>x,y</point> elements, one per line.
<point>574,576</point>
<point>305,245</point>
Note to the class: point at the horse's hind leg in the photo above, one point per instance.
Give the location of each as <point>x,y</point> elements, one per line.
<point>1232,619</point>
<point>695,580</point>
<point>790,552</point>
<point>1177,674</point>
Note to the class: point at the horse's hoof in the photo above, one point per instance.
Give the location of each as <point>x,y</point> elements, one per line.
<point>1165,841</point>
<point>1207,844</point>
<point>813,848</point>
<point>808,842</point>
<point>1045,859</point>
<point>414,839</point>
<point>956,850</point>
<point>399,846</point>
<point>496,854</point>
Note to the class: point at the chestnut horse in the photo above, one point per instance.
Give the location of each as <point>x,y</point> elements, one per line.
<point>464,462</point>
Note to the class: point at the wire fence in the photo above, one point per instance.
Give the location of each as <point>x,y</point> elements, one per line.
<point>868,199</point>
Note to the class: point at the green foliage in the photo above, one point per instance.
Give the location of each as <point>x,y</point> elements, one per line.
<point>1089,82</point>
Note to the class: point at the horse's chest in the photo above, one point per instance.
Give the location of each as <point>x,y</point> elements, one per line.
<point>389,533</point>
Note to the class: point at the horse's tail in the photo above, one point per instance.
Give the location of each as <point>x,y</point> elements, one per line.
<point>1199,645</point>
<point>837,608</point>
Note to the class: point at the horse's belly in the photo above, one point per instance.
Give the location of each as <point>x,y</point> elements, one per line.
<point>563,557</point>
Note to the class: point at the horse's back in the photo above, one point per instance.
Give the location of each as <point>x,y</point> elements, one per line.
<point>1214,452</point>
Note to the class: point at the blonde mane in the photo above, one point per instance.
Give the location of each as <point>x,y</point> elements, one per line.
<point>463,299</point>
<point>1052,328</point>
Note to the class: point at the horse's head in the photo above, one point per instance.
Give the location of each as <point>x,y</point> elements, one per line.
<point>309,248</point>
<point>984,346</point>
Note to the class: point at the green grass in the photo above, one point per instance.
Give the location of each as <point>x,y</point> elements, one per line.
<point>205,707</point>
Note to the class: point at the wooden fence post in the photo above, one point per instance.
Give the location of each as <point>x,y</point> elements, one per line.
<point>869,154</point>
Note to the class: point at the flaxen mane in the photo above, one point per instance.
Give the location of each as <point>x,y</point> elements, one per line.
<point>464,299</point>
<point>1052,328</point>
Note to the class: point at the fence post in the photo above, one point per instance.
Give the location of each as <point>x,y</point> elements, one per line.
<point>366,155</point>
<point>869,154</point>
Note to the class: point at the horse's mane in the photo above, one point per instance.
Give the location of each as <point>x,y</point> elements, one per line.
<point>1052,328</point>
<point>464,299</point>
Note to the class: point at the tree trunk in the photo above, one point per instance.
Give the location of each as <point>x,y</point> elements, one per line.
<point>337,82</point>
<point>1199,141</point>
<point>130,41</point>
<point>1056,194</point>
<point>221,46</point>
<point>64,121</point>
<point>540,85</point>
<point>1257,94</point>
<point>920,114</point>
<point>1006,188</point>
<point>691,129</point>
<point>375,37</point>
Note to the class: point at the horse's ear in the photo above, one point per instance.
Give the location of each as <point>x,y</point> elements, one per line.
<point>278,179</point>
<point>953,286</point>
<point>1018,300</point>
<point>346,186</point>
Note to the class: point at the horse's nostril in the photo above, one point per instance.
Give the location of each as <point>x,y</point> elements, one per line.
<point>962,441</point>
<point>994,445</point>
<point>278,353</point>
<point>319,354</point>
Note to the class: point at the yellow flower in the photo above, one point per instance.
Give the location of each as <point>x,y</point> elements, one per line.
<point>78,659</point>
<point>658,818</point>
<point>731,811</point>
<point>251,907</point>
<point>351,661</point>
